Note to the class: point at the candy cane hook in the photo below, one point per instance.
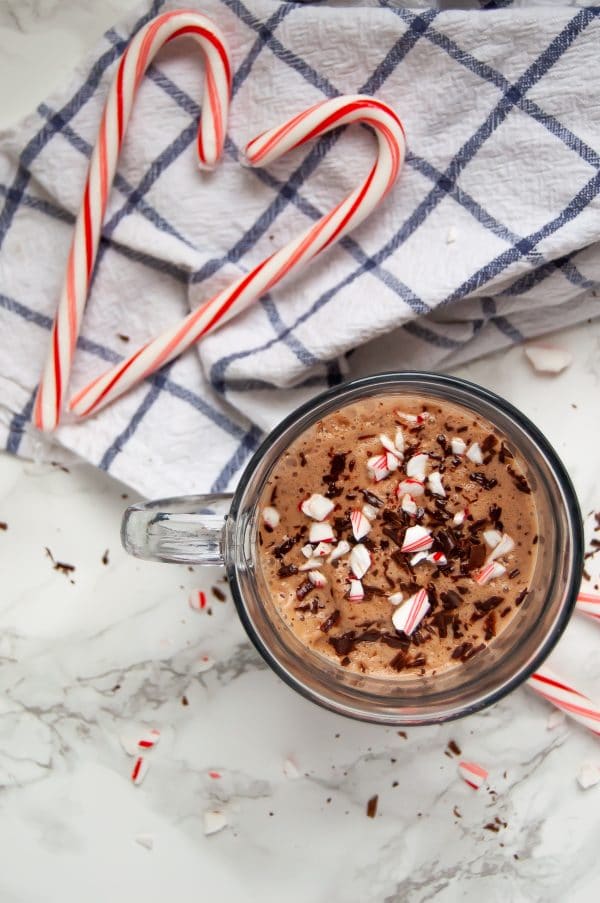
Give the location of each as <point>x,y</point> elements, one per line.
<point>566,698</point>
<point>267,147</point>
<point>82,255</point>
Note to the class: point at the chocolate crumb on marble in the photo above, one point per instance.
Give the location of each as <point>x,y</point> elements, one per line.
<point>406,543</point>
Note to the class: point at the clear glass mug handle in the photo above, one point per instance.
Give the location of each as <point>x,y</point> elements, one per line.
<point>188,530</point>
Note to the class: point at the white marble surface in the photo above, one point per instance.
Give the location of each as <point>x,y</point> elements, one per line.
<point>96,654</point>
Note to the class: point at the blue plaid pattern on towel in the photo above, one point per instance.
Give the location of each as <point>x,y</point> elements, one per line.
<point>490,236</point>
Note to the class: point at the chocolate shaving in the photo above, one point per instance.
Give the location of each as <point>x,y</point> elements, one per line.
<point>490,626</point>
<point>473,652</point>
<point>302,457</point>
<point>489,604</point>
<point>286,546</point>
<point>450,600</point>
<point>303,590</point>
<point>344,643</point>
<point>331,621</point>
<point>442,441</point>
<point>372,806</point>
<point>398,662</point>
<point>370,590</point>
<point>519,481</point>
<point>461,650</point>
<point>489,443</point>
<point>218,593</point>
<point>396,640</point>
<point>485,482</point>
<point>521,596</point>
<point>504,453</point>
<point>441,620</point>
<point>287,570</point>
<point>418,662</point>
<point>372,499</point>
<point>477,556</point>
<point>274,493</point>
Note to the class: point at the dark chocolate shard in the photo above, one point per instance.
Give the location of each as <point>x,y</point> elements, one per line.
<point>331,621</point>
<point>303,590</point>
<point>287,570</point>
<point>482,480</point>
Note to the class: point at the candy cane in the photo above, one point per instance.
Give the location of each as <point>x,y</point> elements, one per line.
<point>267,147</point>
<point>588,604</point>
<point>82,255</point>
<point>567,698</point>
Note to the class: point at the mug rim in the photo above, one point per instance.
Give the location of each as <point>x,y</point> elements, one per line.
<point>571,503</point>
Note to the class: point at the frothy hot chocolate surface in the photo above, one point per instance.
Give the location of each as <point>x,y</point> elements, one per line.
<point>398,536</point>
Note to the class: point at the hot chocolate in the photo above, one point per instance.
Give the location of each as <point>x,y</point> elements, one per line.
<point>398,536</point>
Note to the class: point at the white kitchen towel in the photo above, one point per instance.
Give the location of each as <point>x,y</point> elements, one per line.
<point>492,233</point>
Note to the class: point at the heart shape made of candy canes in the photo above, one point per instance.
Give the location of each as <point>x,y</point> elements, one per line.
<point>270,145</point>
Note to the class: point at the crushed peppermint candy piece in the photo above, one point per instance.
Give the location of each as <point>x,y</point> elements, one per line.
<point>342,548</point>
<point>360,560</point>
<point>377,467</point>
<point>396,598</point>
<point>408,504</point>
<point>149,739</point>
<point>321,532</point>
<point>388,444</point>
<point>458,445</point>
<point>409,614</point>
<point>322,549</point>
<point>489,572</point>
<point>361,525</point>
<point>311,563</point>
<point>417,465</point>
<point>145,840</point>
<point>140,770</point>
<point>410,487</point>
<point>588,775</point>
<point>291,770</point>
<point>492,537</point>
<point>214,821</point>
<point>474,454</point>
<point>548,359</point>
<point>459,518</point>
<point>434,481</point>
<point>197,600</point>
<point>392,462</point>
<point>369,511</point>
<point>356,591</point>
<point>317,506</point>
<point>416,539</point>
<point>505,546</point>
<point>317,578</point>
<point>203,664</point>
<point>473,774</point>
<point>399,441</point>
<point>437,558</point>
<point>271,516</point>
<point>307,550</point>
<point>412,418</point>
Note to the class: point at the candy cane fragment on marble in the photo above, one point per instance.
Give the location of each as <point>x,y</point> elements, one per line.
<point>472,774</point>
<point>228,303</point>
<point>140,770</point>
<point>86,236</point>
<point>197,600</point>
<point>564,696</point>
<point>588,604</point>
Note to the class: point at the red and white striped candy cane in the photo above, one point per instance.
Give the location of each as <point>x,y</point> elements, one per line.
<point>588,604</point>
<point>213,313</point>
<point>82,255</point>
<point>567,698</point>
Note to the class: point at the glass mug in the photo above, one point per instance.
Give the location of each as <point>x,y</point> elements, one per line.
<point>222,529</point>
